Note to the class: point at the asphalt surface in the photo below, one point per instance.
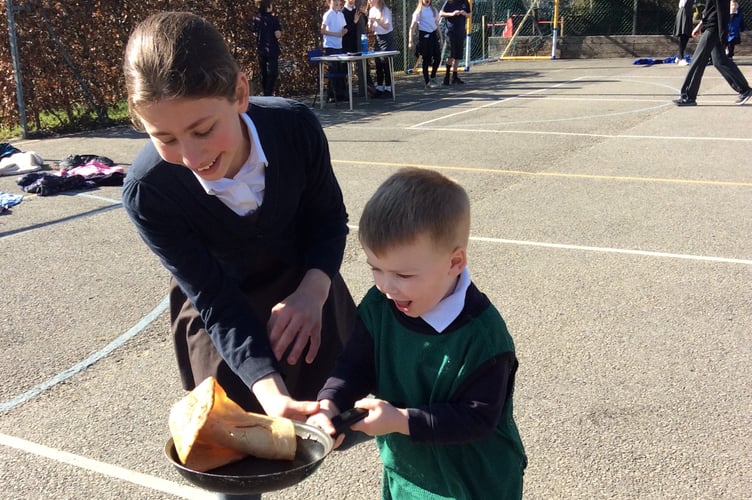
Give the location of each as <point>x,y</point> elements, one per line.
<point>612,230</point>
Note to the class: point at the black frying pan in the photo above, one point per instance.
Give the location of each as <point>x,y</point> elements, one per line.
<point>253,475</point>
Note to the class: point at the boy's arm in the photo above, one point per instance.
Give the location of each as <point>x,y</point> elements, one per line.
<point>353,376</point>
<point>475,409</point>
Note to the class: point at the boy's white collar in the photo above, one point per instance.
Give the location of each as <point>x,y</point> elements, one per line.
<point>446,311</point>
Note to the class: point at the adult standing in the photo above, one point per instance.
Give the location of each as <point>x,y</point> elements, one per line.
<point>711,46</point>
<point>683,29</point>
<point>268,32</point>
<point>455,12</point>
<point>240,203</point>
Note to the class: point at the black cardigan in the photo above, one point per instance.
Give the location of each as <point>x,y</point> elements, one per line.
<point>210,250</point>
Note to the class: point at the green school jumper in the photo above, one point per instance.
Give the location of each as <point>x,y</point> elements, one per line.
<point>415,369</point>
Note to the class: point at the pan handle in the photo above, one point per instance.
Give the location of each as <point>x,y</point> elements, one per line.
<point>344,420</point>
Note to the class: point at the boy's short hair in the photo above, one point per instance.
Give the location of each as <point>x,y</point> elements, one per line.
<point>413,202</point>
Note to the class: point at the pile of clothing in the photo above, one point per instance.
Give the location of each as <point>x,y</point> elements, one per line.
<point>76,172</point>
<point>13,161</point>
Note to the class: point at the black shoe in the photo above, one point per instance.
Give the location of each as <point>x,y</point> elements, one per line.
<point>685,101</point>
<point>456,80</point>
<point>446,81</point>
<point>744,97</point>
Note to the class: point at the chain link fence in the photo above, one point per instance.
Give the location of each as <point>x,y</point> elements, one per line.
<point>535,19</point>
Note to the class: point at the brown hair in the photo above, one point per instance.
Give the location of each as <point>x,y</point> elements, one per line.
<point>177,54</point>
<point>412,202</point>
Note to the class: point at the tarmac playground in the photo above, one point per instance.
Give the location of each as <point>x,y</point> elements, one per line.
<point>612,230</point>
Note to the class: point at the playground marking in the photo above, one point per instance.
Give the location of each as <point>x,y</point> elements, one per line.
<point>583,248</point>
<point>105,469</point>
<point>548,174</point>
<point>82,365</point>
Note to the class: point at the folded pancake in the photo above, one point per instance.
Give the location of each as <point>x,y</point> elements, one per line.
<point>210,430</point>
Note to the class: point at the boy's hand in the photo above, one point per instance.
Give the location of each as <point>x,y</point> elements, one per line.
<point>383,418</point>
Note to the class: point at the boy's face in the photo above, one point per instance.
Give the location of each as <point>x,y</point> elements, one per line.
<point>416,276</point>
<point>206,134</point>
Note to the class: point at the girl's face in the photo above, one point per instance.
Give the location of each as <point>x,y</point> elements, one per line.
<point>206,134</point>
<point>416,276</point>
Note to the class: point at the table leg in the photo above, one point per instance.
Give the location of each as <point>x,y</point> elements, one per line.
<point>364,70</point>
<point>349,81</point>
<point>391,73</point>
<point>321,84</point>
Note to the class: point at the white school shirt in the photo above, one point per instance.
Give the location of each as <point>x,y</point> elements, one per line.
<point>244,193</point>
<point>386,16</point>
<point>333,21</point>
<point>426,19</point>
<point>446,311</point>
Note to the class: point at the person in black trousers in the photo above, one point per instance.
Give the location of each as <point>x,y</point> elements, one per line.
<point>268,32</point>
<point>714,29</point>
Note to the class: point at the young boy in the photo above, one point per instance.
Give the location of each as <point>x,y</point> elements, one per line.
<point>433,351</point>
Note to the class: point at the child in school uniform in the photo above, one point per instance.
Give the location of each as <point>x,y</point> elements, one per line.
<point>432,350</point>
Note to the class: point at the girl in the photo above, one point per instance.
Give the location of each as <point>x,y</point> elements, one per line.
<point>683,29</point>
<point>380,21</point>
<point>240,203</point>
<point>426,18</point>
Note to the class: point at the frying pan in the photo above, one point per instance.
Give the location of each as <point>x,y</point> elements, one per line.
<point>253,475</point>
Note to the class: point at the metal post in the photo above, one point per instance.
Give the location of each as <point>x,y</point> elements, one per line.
<point>16,66</point>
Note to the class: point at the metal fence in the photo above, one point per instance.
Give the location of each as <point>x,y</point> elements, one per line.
<point>501,18</point>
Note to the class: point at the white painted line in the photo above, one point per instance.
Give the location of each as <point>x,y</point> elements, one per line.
<point>78,367</point>
<point>626,251</point>
<point>151,482</point>
<point>643,253</point>
<point>102,198</point>
<point>582,134</point>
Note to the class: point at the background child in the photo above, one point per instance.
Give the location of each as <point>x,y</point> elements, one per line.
<point>735,28</point>
<point>426,20</point>
<point>380,21</point>
<point>333,29</point>
<point>433,351</point>
<point>683,29</point>
<point>456,13</point>
<point>268,32</point>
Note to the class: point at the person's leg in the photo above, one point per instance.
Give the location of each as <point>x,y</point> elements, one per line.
<point>271,76</point>
<point>700,58</point>
<point>263,61</point>
<point>728,68</point>
<point>683,41</point>
<point>425,53</point>
<point>225,496</point>
<point>457,48</point>
<point>436,54</point>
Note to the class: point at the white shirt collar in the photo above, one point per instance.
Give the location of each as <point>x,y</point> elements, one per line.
<point>446,311</point>
<point>243,193</point>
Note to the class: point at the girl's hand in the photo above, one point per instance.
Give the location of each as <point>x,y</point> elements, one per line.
<point>323,420</point>
<point>272,393</point>
<point>383,418</point>
<point>296,321</point>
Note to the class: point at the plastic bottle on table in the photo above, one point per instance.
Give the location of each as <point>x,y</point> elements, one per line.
<point>364,43</point>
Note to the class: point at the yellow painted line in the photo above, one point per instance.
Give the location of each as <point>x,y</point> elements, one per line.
<point>546,174</point>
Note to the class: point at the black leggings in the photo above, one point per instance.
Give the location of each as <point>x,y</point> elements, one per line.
<point>428,46</point>
<point>683,41</point>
